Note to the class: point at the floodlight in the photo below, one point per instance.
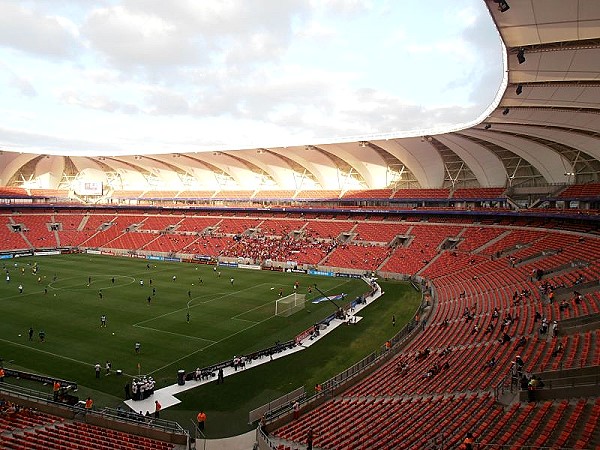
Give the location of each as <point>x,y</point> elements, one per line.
<point>488,126</point>
<point>521,56</point>
<point>503,5</point>
<point>505,112</point>
<point>519,90</point>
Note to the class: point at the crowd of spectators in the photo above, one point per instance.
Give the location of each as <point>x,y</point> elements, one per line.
<point>260,248</point>
<point>142,387</point>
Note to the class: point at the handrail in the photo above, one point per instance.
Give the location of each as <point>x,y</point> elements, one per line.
<point>329,386</point>
<point>110,413</point>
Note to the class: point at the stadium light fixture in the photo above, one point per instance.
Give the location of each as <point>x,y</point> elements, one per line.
<point>363,144</point>
<point>488,126</point>
<point>519,90</point>
<point>521,56</point>
<point>505,112</point>
<point>503,5</point>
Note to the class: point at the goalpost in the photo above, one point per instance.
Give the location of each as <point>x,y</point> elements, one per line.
<point>289,304</point>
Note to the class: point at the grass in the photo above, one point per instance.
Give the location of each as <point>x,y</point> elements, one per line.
<point>225,320</point>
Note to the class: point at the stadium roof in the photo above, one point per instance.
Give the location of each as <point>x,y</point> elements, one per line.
<point>543,129</point>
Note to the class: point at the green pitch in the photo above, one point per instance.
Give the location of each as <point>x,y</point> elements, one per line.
<point>184,316</point>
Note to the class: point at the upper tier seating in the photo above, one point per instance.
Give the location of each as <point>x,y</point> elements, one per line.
<point>196,195</point>
<point>478,193</point>
<point>50,193</point>
<point>159,194</point>
<point>13,192</point>
<point>233,195</point>
<point>127,194</point>
<point>318,194</point>
<point>422,194</point>
<point>274,194</point>
<point>581,191</point>
<point>368,194</point>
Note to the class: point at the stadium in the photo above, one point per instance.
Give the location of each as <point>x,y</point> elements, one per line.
<point>425,291</point>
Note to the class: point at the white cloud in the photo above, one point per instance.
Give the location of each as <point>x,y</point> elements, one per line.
<point>138,39</point>
<point>97,102</point>
<point>134,75</point>
<point>30,31</point>
<point>23,85</point>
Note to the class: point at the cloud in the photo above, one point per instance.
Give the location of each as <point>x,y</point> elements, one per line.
<point>30,31</point>
<point>486,48</point>
<point>97,102</point>
<point>46,143</point>
<point>154,35</point>
<point>348,8</point>
<point>166,102</point>
<point>130,38</point>
<point>23,85</point>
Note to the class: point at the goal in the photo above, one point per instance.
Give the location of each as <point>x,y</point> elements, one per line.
<point>289,304</point>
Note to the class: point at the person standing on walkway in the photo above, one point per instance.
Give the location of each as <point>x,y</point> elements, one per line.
<point>201,417</point>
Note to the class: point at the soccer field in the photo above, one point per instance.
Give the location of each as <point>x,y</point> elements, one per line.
<point>69,293</point>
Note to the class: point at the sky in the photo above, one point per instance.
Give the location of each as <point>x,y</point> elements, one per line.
<point>114,77</point>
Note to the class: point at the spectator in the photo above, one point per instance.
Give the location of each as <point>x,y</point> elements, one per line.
<point>519,363</point>
<point>544,326</point>
<point>468,442</point>
<point>309,439</point>
<point>521,343</point>
<point>201,418</point>
<point>558,349</point>
<point>524,382</point>
<point>531,389</point>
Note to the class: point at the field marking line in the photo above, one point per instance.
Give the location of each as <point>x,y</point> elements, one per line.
<point>174,334</point>
<point>50,353</point>
<point>210,345</point>
<point>231,335</point>
<point>79,288</point>
<point>243,320</point>
<point>245,312</point>
<point>229,294</point>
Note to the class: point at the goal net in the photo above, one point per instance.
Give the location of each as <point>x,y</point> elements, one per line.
<point>289,304</point>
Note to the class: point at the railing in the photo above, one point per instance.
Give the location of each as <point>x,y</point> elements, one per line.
<point>386,351</point>
<point>137,419</point>
<point>273,407</point>
<point>119,415</point>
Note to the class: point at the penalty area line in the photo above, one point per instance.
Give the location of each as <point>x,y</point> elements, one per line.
<point>175,334</point>
<point>210,345</point>
<point>50,353</point>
